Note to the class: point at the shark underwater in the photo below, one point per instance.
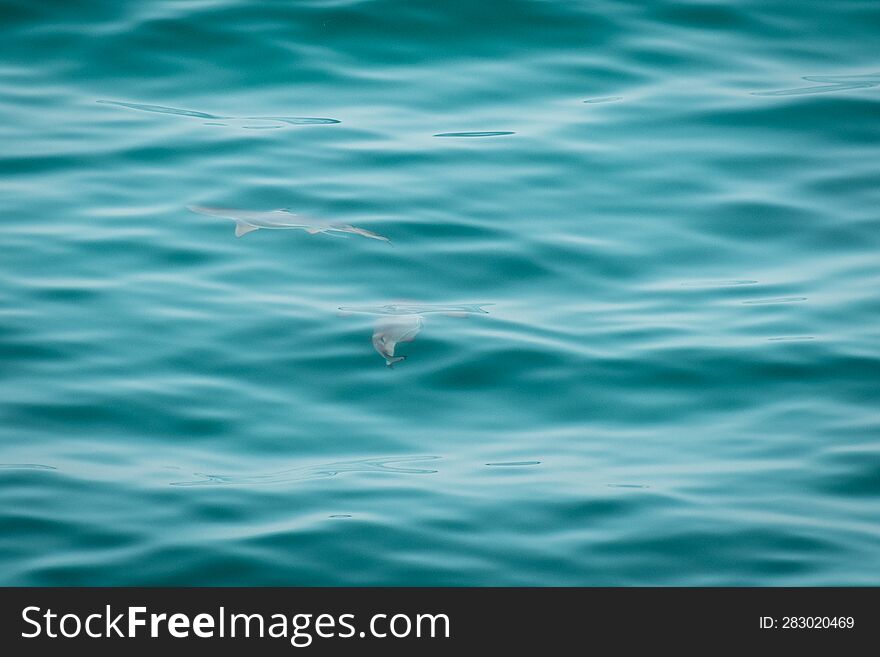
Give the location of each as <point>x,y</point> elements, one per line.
<point>247,221</point>
<point>392,330</point>
<point>399,322</point>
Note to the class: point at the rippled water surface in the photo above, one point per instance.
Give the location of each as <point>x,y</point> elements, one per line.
<point>669,213</point>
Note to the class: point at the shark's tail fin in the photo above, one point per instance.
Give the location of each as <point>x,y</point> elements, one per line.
<point>389,361</point>
<point>242,228</point>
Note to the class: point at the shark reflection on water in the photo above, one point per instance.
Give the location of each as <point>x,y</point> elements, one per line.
<point>247,221</point>
<point>398,323</point>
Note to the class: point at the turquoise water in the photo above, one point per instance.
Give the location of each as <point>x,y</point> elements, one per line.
<point>668,209</point>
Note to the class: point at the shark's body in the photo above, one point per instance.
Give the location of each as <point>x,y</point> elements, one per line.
<point>402,322</point>
<point>388,332</point>
<point>247,221</point>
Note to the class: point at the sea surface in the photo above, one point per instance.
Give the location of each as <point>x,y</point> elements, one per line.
<point>668,212</point>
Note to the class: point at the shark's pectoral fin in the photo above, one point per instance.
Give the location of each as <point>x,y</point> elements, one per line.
<point>241,228</point>
<point>313,231</point>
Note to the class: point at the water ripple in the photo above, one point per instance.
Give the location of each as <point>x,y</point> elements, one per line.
<point>720,283</point>
<point>453,309</point>
<point>833,83</point>
<point>758,302</point>
<point>603,99</point>
<point>271,121</point>
<point>487,133</point>
<point>386,465</point>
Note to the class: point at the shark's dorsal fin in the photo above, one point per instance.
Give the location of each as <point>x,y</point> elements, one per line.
<point>241,228</point>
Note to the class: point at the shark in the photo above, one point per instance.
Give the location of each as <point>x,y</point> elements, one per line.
<point>247,221</point>
<point>401,322</point>
<point>390,331</point>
